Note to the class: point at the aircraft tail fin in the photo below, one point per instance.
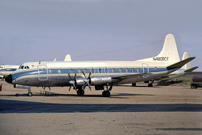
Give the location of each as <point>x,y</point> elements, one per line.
<point>169,49</point>
<point>188,65</point>
<point>67,58</point>
<point>169,52</point>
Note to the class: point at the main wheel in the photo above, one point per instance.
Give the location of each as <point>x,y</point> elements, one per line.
<point>193,86</point>
<point>150,85</point>
<point>106,93</point>
<point>80,92</point>
<point>133,84</point>
<point>29,94</point>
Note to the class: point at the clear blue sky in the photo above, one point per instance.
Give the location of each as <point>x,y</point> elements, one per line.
<point>34,30</point>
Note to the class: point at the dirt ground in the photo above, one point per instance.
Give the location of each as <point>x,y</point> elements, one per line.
<point>130,110</point>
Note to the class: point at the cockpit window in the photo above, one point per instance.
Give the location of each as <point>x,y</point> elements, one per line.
<point>26,67</point>
<point>23,67</point>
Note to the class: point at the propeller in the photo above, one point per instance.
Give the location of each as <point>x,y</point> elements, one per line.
<point>86,80</point>
<point>72,82</point>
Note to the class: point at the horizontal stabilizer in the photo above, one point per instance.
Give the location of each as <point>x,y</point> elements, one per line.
<point>180,63</point>
<point>191,69</point>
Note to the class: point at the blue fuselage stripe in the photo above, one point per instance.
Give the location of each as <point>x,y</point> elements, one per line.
<point>95,71</point>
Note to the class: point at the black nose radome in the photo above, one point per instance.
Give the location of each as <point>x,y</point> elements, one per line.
<point>9,79</point>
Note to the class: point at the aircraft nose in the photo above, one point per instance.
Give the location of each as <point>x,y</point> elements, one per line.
<point>9,79</point>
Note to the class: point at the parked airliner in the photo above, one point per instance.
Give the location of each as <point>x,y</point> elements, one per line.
<point>5,70</point>
<point>79,74</point>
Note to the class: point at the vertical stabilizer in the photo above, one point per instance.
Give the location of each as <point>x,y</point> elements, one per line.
<point>67,58</point>
<point>188,65</point>
<point>169,51</point>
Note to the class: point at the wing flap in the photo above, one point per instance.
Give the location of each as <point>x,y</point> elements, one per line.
<point>129,76</point>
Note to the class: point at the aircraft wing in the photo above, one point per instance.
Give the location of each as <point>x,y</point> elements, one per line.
<point>129,76</point>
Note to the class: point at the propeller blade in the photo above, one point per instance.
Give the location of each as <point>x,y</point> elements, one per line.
<point>74,86</point>
<point>69,76</point>
<point>89,75</point>
<point>75,76</point>
<point>89,86</point>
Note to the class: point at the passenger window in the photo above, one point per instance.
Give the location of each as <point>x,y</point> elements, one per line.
<point>113,70</point>
<point>93,70</point>
<point>155,68</point>
<point>85,70</point>
<point>133,70</point>
<point>79,70</point>
<point>126,70</point>
<point>71,70</point>
<point>138,70</point>
<point>106,70</point>
<point>100,70</point>
<point>120,70</point>
<point>50,71</point>
<point>59,71</point>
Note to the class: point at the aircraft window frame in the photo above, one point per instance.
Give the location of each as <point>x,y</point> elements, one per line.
<point>59,71</point>
<point>100,70</point>
<point>138,70</point>
<point>92,70</point>
<point>71,70</point>
<point>113,70</point>
<point>120,70</point>
<point>50,71</point>
<point>106,70</point>
<point>79,70</point>
<point>26,67</point>
<point>127,70</point>
<point>85,70</point>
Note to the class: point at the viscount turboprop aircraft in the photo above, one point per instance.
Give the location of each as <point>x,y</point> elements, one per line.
<point>79,74</point>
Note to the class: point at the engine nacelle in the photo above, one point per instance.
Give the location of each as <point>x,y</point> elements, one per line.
<point>100,80</point>
<point>80,82</point>
<point>22,86</point>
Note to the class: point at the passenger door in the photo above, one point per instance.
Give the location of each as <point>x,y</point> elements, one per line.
<point>42,72</point>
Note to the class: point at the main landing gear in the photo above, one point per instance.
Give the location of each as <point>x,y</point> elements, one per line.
<point>107,93</point>
<point>29,92</point>
<point>80,92</point>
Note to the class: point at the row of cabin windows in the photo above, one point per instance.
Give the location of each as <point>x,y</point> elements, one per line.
<point>101,70</point>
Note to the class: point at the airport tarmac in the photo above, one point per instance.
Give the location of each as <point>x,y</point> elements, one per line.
<point>130,110</point>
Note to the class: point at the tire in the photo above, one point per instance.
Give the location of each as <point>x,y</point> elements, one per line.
<point>80,92</point>
<point>29,94</point>
<point>106,93</point>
